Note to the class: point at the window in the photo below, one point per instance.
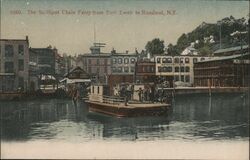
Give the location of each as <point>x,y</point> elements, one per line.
<point>126,69</point>
<point>202,59</point>
<point>164,60</point>
<point>187,69</point>
<point>93,89</point>
<point>132,60</point>
<point>181,60</point>
<point>186,60</point>
<point>152,69</point>
<point>126,60</point>
<point>119,60</point>
<point>187,78</point>
<point>169,69</point>
<point>9,67</point>
<point>177,69</point>
<point>195,60</point>
<point>159,69</point>
<point>98,89</point>
<point>97,70</point>
<point>89,61</point>
<point>20,64</point>
<point>20,49</point>
<point>119,69</point>
<point>182,69</point>
<point>169,60</point>
<point>132,69</point>
<point>9,51</point>
<point>176,60</point>
<point>114,69</point>
<point>98,61</point>
<point>158,60</point>
<point>114,61</point>
<point>182,78</point>
<point>176,78</point>
<point>21,82</point>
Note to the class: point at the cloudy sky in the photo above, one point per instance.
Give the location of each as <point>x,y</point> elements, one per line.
<point>46,22</point>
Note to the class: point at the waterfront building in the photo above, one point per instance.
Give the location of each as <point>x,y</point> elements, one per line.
<point>122,68</point>
<point>145,71</point>
<point>14,65</point>
<point>97,64</point>
<point>46,60</point>
<point>176,68</point>
<point>43,67</point>
<point>76,80</point>
<point>226,71</point>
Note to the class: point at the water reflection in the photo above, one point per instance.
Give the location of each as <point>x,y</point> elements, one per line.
<point>221,116</point>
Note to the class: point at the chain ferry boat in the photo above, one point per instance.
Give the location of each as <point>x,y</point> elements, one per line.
<point>128,101</point>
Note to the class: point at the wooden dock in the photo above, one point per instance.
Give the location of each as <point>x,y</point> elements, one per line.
<point>208,90</point>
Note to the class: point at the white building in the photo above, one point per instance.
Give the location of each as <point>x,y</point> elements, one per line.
<point>177,68</point>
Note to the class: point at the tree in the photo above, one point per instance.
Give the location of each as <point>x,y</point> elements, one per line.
<point>156,46</point>
<point>172,50</point>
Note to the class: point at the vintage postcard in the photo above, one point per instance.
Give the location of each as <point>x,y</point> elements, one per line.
<point>124,79</point>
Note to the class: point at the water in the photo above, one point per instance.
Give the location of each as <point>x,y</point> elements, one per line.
<point>192,118</point>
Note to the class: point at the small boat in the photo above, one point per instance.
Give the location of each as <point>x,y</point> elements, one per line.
<point>121,106</point>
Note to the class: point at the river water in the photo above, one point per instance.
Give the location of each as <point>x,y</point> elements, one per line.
<point>193,118</point>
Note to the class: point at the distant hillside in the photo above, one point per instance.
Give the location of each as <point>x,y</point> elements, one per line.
<point>206,37</point>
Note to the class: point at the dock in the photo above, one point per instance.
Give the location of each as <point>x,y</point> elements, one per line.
<point>208,90</point>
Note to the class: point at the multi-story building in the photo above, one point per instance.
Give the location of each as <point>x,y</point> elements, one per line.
<point>145,71</point>
<point>176,68</point>
<point>123,64</point>
<point>46,60</point>
<point>14,64</point>
<point>226,71</point>
<point>122,68</point>
<point>96,64</point>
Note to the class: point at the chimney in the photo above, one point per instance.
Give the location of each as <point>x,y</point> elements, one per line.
<point>126,51</point>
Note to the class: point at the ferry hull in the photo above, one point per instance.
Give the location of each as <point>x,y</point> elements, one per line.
<point>114,110</point>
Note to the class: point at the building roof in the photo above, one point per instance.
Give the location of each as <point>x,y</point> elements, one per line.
<point>224,58</point>
<point>96,55</point>
<point>124,54</point>
<point>231,49</point>
<point>76,69</point>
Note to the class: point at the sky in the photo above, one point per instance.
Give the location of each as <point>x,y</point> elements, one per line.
<point>46,22</point>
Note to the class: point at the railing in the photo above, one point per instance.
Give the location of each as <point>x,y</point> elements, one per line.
<point>107,99</point>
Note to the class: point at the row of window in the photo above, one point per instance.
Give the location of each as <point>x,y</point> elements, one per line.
<point>121,60</point>
<point>176,69</point>
<point>182,78</point>
<point>90,61</point>
<point>9,50</point>
<point>177,60</point>
<point>9,66</point>
<point>97,70</point>
<point>122,69</point>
